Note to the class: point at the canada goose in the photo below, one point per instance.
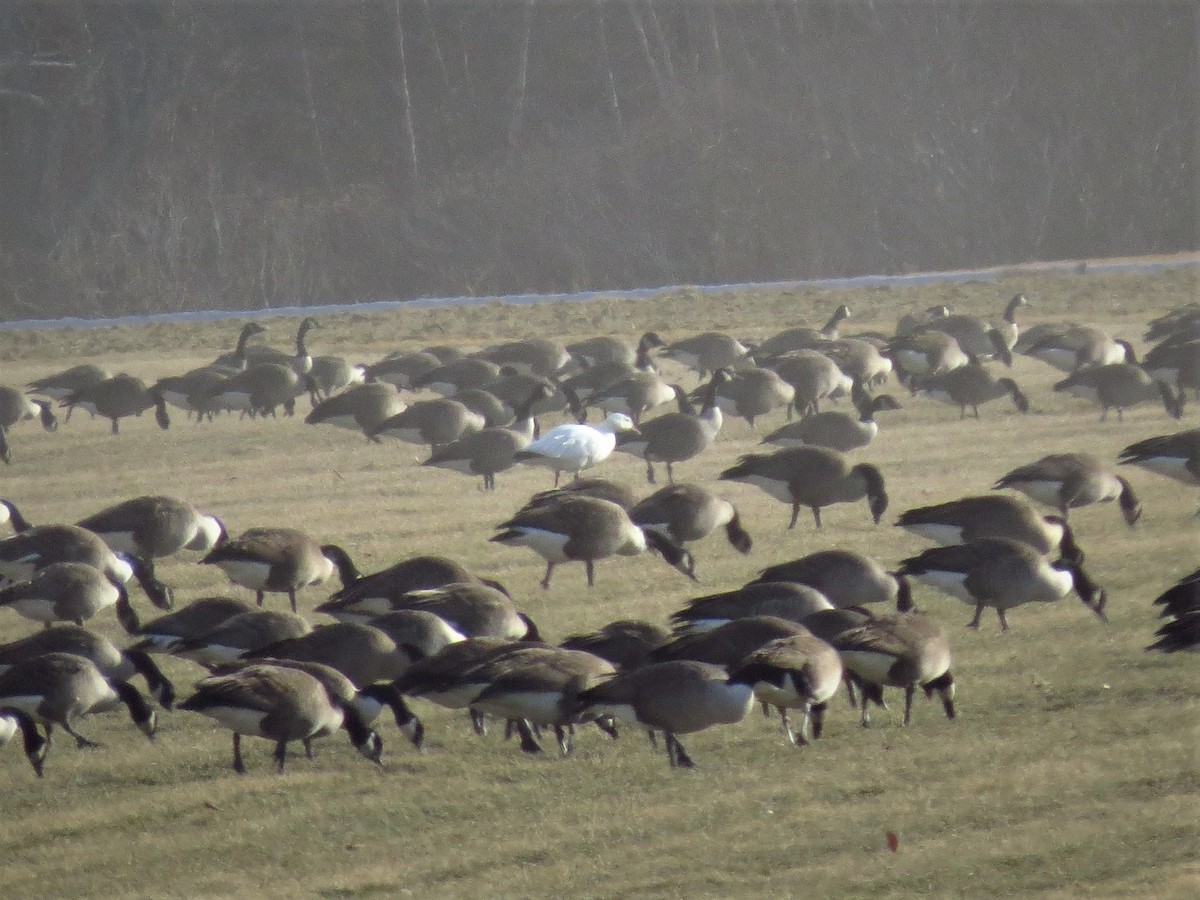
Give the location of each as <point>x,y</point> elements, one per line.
<point>15,406</point>
<point>450,378</point>
<point>800,671</point>
<point>812,477</point>
<point>237,635</point>
<point>925,353</point>
<point>977,335</point>
<point>845,577</point>
<point>433,422</point>
<point>688,512</point>
<point>371,595</point>
<point>60,688</point>
<point>259,390</point>
<point>812,376</point>
<point>904,651</point>
<point>1178,363</point>
<point>1182,598</point>
<point>119,397</point>
<point>471,609</point>
<point>1173,321</point>
<point>706,352</point>
<point>10,515</point>
<point>633,395</point>
<point>1073,347</point>
<point>279,560</point>
<point>1176,455</point>
<point>836,430</point>
<point>1120,386</point>
<point>800,338</point>
<point>455,675</point>
<point>515,389</point>
<point>538,687</point>
<point>970,386</point>
<point>364,408</point>
<point>36,747</point>
<point>992,515</point>
<point>602,372</point>
<point>22,554</point>
<point>573,447</point>
<point>69,381</point>
<point>781,599</point>
<point>752,392</point>
<point>235,361</point>
<point>495,411</point>
<point>625,643</point>
<point>331,374</point>
<point>300,362</point>
<point>676,697</point>
<point>859,358</point>
<point>727,644</point>
<point>583,529</point>
<point>155,526</point>
<point>69,592</point>
<point>602,488</point>
<point>199,616</point>
<point>679,436</point>
<point>1181,602</point>
<point>490,451</point>
<point>1002,573</point>
<point>193,391</point>
<point>421,633</point>
<point>280,704</point>
<point>401,370</point>
<point>532,356</point>
<point>597,351</point>
<point>114,663</point>
<point>1069,480</point>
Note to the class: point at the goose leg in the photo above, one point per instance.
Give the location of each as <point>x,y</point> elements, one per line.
<point>565,737</point>
<point>80,740</point>
<point>292,598</point>
<point>239,765</point>
<point>817,515</point>
<point>682,760</point>
<point>280,755</point>
<point>908,699</point>
<point>529,743</point>
<point>865,714</point>
<point>974,623</point>
<point>479,723</point>
<point>795,513</point>
<point>787,726</point>
<point>653,736</point>
<point>670,473</point>
<point>308,750</point>
<point>1003,621</point>
<point>591,572</point>
<point>546,580</point>
<point>258,597</point>
<point>818,719</point>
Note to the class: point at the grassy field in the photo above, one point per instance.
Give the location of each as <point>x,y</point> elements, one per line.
<point>1072,770</point>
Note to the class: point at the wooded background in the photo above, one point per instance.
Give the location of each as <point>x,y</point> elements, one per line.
<point>161,156</point>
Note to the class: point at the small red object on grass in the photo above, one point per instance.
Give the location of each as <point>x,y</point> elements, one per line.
<point>893,841</point>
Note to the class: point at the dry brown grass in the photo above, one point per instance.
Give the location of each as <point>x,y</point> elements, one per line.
<point>1073,769</point>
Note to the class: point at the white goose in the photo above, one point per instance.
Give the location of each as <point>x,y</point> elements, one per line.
<point>574,447</point>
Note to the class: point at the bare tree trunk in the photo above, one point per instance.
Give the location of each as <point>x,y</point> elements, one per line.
<point>313,119</point>
<point>405,97</point>
<point>437,45</point>
<point>644,41</point>
<point>613,101</point>
<point>514,125</point>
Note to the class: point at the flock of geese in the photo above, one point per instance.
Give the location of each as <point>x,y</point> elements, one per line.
<point>429,628</point>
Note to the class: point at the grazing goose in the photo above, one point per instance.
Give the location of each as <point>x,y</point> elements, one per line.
<point>114,663</point>
<point>751,392</point>
<point>1073,347</point>
<point>679,436</point>
<point>918,321</point>
<point>457,375</point>
<point>706,352</point>
<point>1001,573</point>
<point>574,447</point>
<point>970,386</point>
<point>812,377</point>
<point>33,548</point>
<point>117,398</point>
<point>1069,480</point>
<point>433,422</point>
<point>601,376</point>
<point>676,697</point>
<point>36,747</point>
<point>904,651</point>
<point>584,529</point>
<point>626,643</point>
<point>811,476</point>
<point>279,560</point>
<point>538,687</point>
<point>532,356</point>
<point>925,353</point>
<point>800,671</point>
<point>471,609</point>
<point>331,374</point>
<point>371,595</point>
<point>801,338</point>
<point>845,577</point>
<point>300,362</point>
<point>363,408</point>
<point>16,407</point>
<point>1120,386</point>
<point>192,391</point>
<point>728,644</point>
<point>491,450</point>
<point>495,411</point>
<point>259,390</point>
<point>602,488</point>
<point>836,430</point>
<point>992,515</point>
<point>1182,598</point>
<point>155,526</point>
<point>1182,602</point>
<point>514,389</point>
<point>199,616</point>
<point>236,360</point>
<point>70,381</point>
<point>401,370</point>
<point>419,632</point>
<point>599,351</point>
<point>979,336</point>
<point>60,688</point>
<point>69,592</point>
<point>238,635</point>
<point>633,395</point>
<point>859,358</point>
<point>1176,456</point>
<point>781,599</point>
<point>455,675</point>
<point>280,704</point>
<point>687,512</point>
